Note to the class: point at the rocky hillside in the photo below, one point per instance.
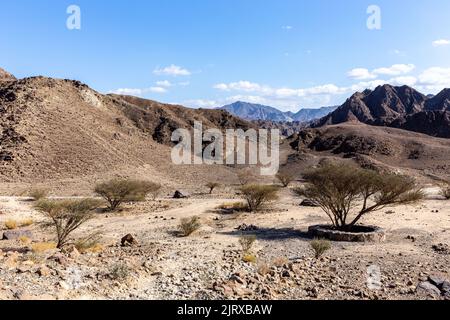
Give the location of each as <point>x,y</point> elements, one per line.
<point>400,107</point>
<point>376,147</point>
<point>55,129</point>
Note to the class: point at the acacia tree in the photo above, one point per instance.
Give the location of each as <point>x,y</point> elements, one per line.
<point>347,193</point>
<point>118,191</point>
<point>67,215</point>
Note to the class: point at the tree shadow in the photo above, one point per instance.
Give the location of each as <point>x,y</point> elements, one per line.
<point>272,234</point>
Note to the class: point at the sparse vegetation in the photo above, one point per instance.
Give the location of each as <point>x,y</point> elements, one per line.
<point>233,206</point>
<point>249,258</point>
<point>118,191</point>
<point>339,189</point>
<point>40,247</point>
<point>247,243</point>
<point>280,261</point>
<point>245,177</point>
<point>90,243</point>
<point>320,246</point>
<point>26,223</point>
<point>258,195</point>
<point>263,268</point>
<point>38,194</point>
<point>211,186</point>
<point>285,178</point>
<point>445,191</point>
<point>189,225</point>
<point>67,215</point>
<point>24,240</point>
<point>11,224</point>
<point>119,271</point>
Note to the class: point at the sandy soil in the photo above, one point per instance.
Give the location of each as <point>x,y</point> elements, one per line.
<point>165,266</point>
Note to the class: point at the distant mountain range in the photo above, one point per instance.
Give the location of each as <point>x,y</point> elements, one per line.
<point>257,112</point>
<point>400,107</point>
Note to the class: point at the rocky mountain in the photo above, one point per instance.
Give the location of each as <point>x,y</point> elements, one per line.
<point>6,76</point>
<point>258,112</point>
<point>251,111</point>
<point>58,129</point>
<point>400,107</point>
<point>307,115</point>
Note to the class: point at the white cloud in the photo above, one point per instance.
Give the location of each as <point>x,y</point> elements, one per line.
<point>395,70</point>
<point>184,84</point>
<point>201,103</point>
<point>434,79</point>
<point>128,91</point>
<point>361,74</point>
<point>164,83</point>
<point>401,81</point>
<point>138,92</point>
<point>172,70</point>
<point>157,90</point>
<point>287,27</point>
<point>441,42</point>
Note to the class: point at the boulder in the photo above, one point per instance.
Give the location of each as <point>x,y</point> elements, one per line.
<point>180,195</point>
<point>16,234</point>
<point>309,203</point>
<point>128,241</point>
<point>428,289</point>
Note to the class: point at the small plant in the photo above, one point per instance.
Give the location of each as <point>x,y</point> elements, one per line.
<point>280,261</point>
<point>38,194</point>
<point>41,247</point>
<point>247,243</point>
<point>285,178</point>
<point>258,195</point>
<point>24,240</point>
<point>11,224</point>
<point>118,191</point>
<point>320,246</point>
<point>26,222</point>
<point>445,192</point>
<point>89,244</point>
<point>189,225</point>
<point>211,186</point>
<point>246,177</point>
<point>119,271</point>
<point>263,269</point>
<point>249,258</point>
<point>67,215</point>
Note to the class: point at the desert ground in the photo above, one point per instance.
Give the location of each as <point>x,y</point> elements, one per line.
<point>209,264</point>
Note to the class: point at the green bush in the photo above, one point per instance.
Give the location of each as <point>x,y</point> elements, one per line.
<point>189,225</point>
<point>258,195</point>
<point>320,246</point>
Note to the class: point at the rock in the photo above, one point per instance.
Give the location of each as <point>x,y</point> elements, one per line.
<point>238,279</point>
<point>441,248</point>
<point>59,258</point>
<point>128,241</point>
<point>286,274</point>
<point>43,271</point>
<point>16,234</point>
<point>428,289</point>
<point>180,195</point>
<point>309,203</point>
<point>244,227</point>
<point>435,280</point>
<point>445,288</point>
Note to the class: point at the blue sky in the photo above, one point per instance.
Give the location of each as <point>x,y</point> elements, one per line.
<point>207,53</point>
